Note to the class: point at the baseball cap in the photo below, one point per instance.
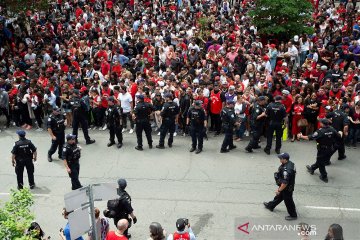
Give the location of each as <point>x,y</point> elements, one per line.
<point>21,133</point>
<point>70,137</point>
<point>180,224</point>
<point>122,183</point>
<point>284,156</point>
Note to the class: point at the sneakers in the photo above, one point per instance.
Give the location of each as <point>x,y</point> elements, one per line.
<point>91,141</point>
<point>158,134</point>
<point>247,133</point>
<point>39,130</point>
<point>104,128</point>
<point>94,128</point>
<point>131,131</point>
<point>309,169</point>
<point>192,149</point>
<point>175,134</point>
<point>124,130</point>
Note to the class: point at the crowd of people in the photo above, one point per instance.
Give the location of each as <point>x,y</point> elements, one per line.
<point>110,52</point>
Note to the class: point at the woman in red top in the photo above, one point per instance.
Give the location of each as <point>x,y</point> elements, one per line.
<point>297,112</point>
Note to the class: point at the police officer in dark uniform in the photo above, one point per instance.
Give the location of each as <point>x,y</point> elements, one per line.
<point>257,122</point>
<point>228,118</point>
<point>121,208</point>
<point>168,113</point>
<point>276,113</point>
<point>141,116</point>
<point>325,137</point>
<point>114,116</point>
<point>56,129</point>
<point>71,157</point>
<point>79,111</point>
<point>196,118</point>
<point>23,155</point>
<point>285,179</point>
<point>340,122</point>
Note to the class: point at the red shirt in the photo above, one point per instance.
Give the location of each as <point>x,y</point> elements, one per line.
<point>215,102</point>
<point>287,103</point>
<point>112,236</point>
<point>105,68</point>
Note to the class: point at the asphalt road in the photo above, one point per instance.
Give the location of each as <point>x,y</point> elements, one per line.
<point>217,192</point>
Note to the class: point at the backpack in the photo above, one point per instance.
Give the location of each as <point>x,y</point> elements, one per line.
<point>181,236</point>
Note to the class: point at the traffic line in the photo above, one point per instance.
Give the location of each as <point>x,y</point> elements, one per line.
<point>34,194</point>
<point>334,208</point>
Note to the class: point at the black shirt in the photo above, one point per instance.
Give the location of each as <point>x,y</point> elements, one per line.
<point>71,153</point>
<point>339,120</point>
<point>56,123</point>
<point>169,111</point>
<point>143,110</point>
<point>287,174</point>
<point>197,117</point>
<point>325,136</point>
<point>276,112</point>
<point>256,111</point>
<point>113,115</point>
<point>23,150</point>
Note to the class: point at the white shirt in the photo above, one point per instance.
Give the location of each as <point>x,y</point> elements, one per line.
<point>125,100</point>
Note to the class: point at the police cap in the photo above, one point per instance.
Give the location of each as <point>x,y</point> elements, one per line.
<point>278,98</point>
<point>76,91</point>
<point>261,98</point>
<point>70,137</point>
<point>21,133</point>
<point>325,121</point>
<point>140,97</point>
<point>122,183</point>
<point>284,156</point>
<point>168,95</point>
<point>111,99</point>
<point>198,103</point>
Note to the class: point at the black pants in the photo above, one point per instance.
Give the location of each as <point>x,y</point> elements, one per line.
<point>228,139</point>
<point>167,125</point>
<point>38,114</point>
<point>322,158</point>
<point>74,176</point>
<point>126,116</point>
<point>140,127</point>
<point>57,144</point>
<point>197,137</point>
<point>287,196</point>
<point>19,170</point>
<point>340,147</point>
<point>277,128</point>
<point>215,122</point>
<point>84,125</point>
<point>7,115</point>
<point>114,130</point>
<point>96,116</point>
<point>256,134</point>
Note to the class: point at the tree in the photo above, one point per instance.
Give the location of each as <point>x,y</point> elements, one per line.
<point>282,18</point>
<point>16,7</point>
<point>15,215</point>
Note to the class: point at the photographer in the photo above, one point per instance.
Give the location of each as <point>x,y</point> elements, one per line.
<point>181,232</point>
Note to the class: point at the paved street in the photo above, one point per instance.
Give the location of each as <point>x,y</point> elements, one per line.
<point>211,189</point>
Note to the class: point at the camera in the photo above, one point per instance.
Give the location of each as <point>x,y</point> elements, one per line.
<point>186,220</point>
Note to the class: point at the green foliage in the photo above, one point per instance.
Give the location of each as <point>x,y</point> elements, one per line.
<point>15,215</point>
<point>284,18</point>
<point>16,7</point>
<point>204,23</point>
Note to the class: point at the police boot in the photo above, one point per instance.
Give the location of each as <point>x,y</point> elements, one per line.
<point>267,151</point>
<point>119,145</point>
<point>342,157</point>
<point>198,151</point>
<point>192,149</point>
<point>91,141</point>
<point>224,150</point>
<point>110,144</point>
<point>248,149</point>
<point>49,158</point>
<point>232,147</point>
<point>139,148</point>
<point>310,170</point>
<point>267,206</point>
<point>324,179</point>
<point>160,146</point>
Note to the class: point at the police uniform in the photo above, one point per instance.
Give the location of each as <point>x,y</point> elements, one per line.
<point>72,154</point>
<point>168,114</point>
<point>257,126</point>
<point>285,175</point>
<point>197,119</point>
<point>56,122</point>
<point>276,113</point>
<point>339,120</point>
<point>78,107</point>
<point>114,116</point>
<point>23,151</point>
<point>142,113</point>
<point>325,138</point>
<point>228,118</point>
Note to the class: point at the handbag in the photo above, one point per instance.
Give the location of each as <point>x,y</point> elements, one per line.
<point>302,123</point>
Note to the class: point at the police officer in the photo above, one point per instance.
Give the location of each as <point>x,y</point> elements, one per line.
<point>276,113</point>
<point>121,207</point>
<point>340,122</point>
<point>325,137</point>
<point>23,155</point>
<point>71,156</point>
<point>228,118</point>
<point>285,179</point>
<point>257,122</point>
<point>56,129</point>
<point>196,118</point>
<point>79,111</point>
<point>141,115</point>
<point>114,116</point>
<point>168,114</point>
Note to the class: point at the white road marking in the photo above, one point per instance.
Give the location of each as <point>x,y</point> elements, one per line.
<point>334,208</point>
<point>34,194</point>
